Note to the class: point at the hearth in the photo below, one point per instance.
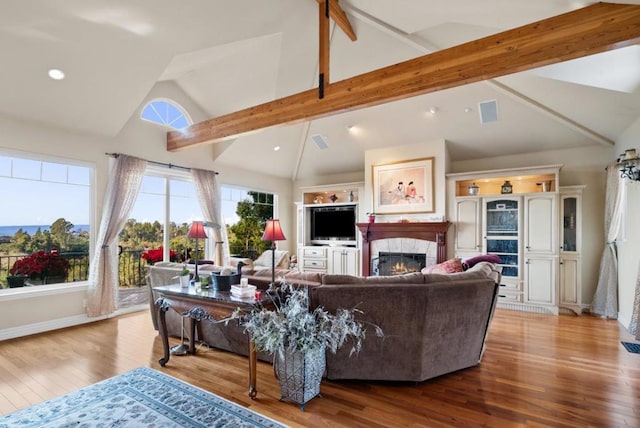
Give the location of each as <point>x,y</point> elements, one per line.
<point>397,263</point>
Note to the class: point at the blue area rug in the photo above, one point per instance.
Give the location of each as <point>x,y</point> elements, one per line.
<point>140,398</point>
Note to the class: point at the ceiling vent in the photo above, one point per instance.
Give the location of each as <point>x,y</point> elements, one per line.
<point>320,141</point>
<point>488,111</point>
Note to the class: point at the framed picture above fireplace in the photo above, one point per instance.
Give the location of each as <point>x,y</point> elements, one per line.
<point>403,187</point>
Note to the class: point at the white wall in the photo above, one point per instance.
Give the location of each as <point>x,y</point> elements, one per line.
<point>629,252</point>
<point>138,138</point>
<point>581,166</point>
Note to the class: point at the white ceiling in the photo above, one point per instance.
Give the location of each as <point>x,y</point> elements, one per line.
<point>229,55</point>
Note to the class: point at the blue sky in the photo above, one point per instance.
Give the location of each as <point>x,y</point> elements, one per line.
<point>28,200</point>
<point>38,193</point>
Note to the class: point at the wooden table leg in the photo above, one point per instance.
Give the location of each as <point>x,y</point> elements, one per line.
<point>253,392</point>
<point>163,307</point>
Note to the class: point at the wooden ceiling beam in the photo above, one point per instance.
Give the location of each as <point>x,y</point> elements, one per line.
<point>587,31</point>
<point>340,17</point>
<point>323,49</point>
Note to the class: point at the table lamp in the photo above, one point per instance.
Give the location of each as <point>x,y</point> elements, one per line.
<point>197,232</point>
<point>273,233</point>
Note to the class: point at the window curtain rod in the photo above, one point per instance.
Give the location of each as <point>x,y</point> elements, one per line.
<point>168,165</point>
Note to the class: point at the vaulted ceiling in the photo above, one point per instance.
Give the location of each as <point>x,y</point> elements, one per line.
<point>230,55</point>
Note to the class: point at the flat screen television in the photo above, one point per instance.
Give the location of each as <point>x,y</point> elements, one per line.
<point>333,225</point>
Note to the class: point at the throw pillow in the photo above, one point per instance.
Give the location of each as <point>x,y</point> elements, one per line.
<point>448,266</point>
<point>492,258</point>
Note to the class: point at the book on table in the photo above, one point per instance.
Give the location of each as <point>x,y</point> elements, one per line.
<point>243,291</point>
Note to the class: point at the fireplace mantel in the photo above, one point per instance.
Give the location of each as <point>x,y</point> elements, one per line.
<point>435,232</point>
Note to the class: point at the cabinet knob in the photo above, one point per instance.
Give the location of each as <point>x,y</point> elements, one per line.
<point>561,262</point>
<point>527,247</point>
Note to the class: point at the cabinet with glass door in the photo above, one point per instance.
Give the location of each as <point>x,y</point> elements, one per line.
<point>571,248</point>
<point>502,225</point>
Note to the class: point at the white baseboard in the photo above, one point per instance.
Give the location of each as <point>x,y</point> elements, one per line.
<point>551,310</point>
<point>41,327</point>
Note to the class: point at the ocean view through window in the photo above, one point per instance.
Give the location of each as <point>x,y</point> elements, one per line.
<point>46,216</point>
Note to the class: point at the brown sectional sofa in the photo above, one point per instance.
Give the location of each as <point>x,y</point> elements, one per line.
<point>433,324</point>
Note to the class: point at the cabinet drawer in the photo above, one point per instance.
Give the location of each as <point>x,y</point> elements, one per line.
<point>504,296</point>
<point>315,252</point>
<point>510,287</point>
<point>315,263</point>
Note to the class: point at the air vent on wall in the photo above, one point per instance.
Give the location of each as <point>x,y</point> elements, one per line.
<point>488,111</point>
<point>320,141</point>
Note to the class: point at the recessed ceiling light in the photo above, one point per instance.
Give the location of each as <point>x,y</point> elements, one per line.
<point>468,110</point>
<point>276,148</point>
<point>433,110</point>
<point>56,74</point>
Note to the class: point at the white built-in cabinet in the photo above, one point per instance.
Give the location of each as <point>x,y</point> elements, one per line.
<point>343,260</point>
<point>468,231</point>
<point>570,266</point>
<point>540,243</point>
<point>326,258</point>
<point>535,230</point>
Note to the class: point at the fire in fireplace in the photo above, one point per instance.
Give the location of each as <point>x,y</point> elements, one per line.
<point>397,263</point>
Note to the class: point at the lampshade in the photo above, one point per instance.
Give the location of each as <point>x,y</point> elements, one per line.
<point>273,231</point>
<point>197,231</point>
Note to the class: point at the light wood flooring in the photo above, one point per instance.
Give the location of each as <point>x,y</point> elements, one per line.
<point>538,370</point>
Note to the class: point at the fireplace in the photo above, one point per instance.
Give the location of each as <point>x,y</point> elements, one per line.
<point>432,231</point>
<point>397,263</point>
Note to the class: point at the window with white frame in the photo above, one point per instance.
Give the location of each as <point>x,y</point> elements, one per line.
<point>45,223</point>
<point>245,212</point>
<point>166,112</point>
<point>159,222</point>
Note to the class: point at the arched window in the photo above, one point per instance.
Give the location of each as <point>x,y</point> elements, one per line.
<point>166,112</point>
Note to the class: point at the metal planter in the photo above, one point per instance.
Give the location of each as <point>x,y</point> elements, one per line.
<point>300,374</point>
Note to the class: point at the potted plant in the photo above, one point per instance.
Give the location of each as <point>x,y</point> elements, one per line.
<point>298,338</point>
<point>156,255</point>
<point>15,281</point>
<point>185,276</point>
<point>42,267</point>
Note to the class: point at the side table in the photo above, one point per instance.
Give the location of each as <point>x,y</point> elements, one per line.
<point>205,305</point>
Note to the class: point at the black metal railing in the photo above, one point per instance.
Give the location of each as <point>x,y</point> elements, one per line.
<point>131,267</point>
<point>242,251</point>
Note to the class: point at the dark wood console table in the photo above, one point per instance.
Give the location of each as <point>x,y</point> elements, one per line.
<point>205,305</point>
<point>435,232</point>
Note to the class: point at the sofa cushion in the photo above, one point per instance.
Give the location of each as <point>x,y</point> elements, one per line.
<point>471,262</point>
<point>480,270</point>
<point>448,266</point>
<point>409,278</point>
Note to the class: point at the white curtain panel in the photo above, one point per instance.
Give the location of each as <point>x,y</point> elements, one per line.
<point>124,184</point>
<point>209,196</point>
<point>605,300</point>
<point>634,327</point>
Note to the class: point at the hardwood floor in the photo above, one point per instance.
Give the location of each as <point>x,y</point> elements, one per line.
<point>538,370</point>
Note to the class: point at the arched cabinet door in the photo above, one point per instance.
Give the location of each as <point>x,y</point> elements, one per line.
<point>468,227</point>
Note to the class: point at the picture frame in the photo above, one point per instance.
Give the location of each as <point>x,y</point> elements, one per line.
<point>404,187</point>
